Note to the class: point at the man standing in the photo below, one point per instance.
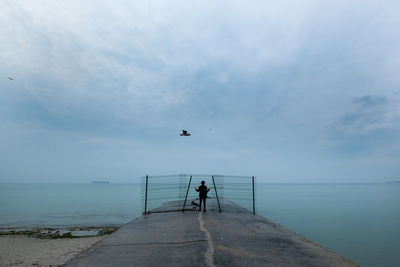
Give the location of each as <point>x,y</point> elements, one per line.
<point>202,194</point>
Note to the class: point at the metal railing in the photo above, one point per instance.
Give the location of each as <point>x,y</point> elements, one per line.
<point>174,191</point>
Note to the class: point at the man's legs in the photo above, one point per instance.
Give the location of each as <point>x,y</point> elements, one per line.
<point>200,204</point>
<point>204,208</point>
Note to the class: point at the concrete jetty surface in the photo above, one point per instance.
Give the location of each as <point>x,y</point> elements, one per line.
<point>234,237</point>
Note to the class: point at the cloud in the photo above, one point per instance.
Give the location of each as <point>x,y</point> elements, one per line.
<point>372,113</point>
<point>284,80</point>
<point>370,101</point>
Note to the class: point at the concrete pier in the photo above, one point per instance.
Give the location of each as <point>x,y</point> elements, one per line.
<point>235,237</point>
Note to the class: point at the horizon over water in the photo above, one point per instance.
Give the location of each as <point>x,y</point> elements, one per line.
<point>359,221</point>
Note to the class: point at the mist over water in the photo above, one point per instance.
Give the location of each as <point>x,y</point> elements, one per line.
<point>357,221</point>
<point>68,204</point>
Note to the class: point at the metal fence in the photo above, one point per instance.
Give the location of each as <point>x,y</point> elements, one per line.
<point>175,192</point>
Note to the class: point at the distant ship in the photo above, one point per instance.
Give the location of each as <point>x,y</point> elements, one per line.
<point>100,182</point>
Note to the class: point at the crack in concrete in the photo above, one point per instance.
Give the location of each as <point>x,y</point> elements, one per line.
<point>157,243</point>
<point>209,255</point>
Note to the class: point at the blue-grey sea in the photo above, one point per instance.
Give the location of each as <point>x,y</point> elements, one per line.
<point>358,221</point>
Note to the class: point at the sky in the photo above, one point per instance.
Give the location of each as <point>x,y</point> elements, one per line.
<point>288,91</point>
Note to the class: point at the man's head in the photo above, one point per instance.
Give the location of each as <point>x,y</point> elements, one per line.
<point>202,182</point>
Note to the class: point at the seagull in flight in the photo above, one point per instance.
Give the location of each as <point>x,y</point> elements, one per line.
<point>11,79</point>
<point>185,133</point>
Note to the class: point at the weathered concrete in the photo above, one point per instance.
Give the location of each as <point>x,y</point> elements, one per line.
<point>234,237</point>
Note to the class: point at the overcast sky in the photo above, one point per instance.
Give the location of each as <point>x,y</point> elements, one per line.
<point>288,91</point>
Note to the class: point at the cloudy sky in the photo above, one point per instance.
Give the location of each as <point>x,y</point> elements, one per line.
<point>288,91</point>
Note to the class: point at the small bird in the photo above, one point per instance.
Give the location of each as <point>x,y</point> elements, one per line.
<point>185,133</point>
<point>11,79</point>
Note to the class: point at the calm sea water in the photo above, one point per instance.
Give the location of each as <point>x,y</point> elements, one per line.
<point>358,221</point>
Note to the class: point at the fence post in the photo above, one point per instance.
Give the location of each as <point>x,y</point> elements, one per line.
<point>254,203</point>
<point>216,193</point>
<point>145,198</point>
<point>187,191</point>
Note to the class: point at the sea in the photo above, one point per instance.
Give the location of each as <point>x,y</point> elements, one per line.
<point>358,221</point>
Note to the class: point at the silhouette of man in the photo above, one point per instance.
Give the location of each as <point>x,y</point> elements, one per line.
<point>202,194</point>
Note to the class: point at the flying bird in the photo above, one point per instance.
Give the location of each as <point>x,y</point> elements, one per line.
<point>185,133</point>
<point>11,79</point>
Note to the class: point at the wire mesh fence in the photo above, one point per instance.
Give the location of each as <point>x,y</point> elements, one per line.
<point>174,192</point>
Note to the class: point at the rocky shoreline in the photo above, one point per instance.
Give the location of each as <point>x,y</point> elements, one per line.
<point>59,232</point>
<point>47,246</point>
